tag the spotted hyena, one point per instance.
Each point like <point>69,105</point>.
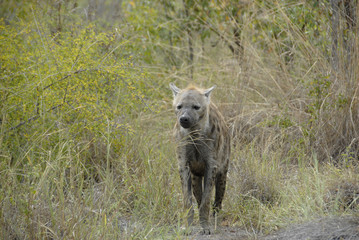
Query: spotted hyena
<point>203,149</point>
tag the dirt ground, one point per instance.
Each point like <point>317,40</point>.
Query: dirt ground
<point>222,233</point>
<point>330,228</point>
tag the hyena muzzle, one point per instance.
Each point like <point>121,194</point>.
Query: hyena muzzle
<point>203,149</point>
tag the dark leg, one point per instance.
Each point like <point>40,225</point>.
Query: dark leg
<point>220,189</point>
<point>197,188</point>
<point>187,193</point>
<point>206,199</point>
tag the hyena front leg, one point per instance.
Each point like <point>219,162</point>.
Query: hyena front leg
<point>206,199</point>
<point>187,192</point>
<point>197,188</point>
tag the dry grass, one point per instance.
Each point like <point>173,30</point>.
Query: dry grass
<point>294,157</point>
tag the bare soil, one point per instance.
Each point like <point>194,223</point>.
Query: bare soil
<point>329,228</point>
<point>223,233</point>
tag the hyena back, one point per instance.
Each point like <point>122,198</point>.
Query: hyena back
<point>203,149</point>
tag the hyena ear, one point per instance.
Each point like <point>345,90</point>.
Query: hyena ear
<point>208,91</point>
<point>175,90</point>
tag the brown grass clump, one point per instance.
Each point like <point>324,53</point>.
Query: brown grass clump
<point>269,132</point>
<point>256,179</point>
<point>343,194</point>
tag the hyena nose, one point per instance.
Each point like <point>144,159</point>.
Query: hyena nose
<point>184,120</point>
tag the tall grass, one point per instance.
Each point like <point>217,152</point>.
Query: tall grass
<point>294,123</point>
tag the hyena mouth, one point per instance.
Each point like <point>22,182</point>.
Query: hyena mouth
<point>185,125</point>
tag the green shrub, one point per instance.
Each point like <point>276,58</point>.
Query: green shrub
<point>77,81</point>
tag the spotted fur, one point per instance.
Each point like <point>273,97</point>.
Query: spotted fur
<point>203,150</point>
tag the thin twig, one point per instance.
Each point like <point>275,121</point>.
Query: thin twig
<point>141,99</point>
<point>33,118</point>
<point>61,79</point>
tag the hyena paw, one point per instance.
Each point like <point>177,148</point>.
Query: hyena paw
<point>206,231</point>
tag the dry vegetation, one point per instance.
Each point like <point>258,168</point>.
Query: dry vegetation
<point>86,120</point>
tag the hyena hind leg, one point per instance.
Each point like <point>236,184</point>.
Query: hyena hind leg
<point>221,179</point>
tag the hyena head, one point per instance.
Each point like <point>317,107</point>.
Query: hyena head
<point>191,105</point>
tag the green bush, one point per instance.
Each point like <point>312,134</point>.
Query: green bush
<point>78,81</point>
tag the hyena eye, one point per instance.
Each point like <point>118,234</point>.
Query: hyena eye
<point>179,107</point>
<point>195,107</point>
